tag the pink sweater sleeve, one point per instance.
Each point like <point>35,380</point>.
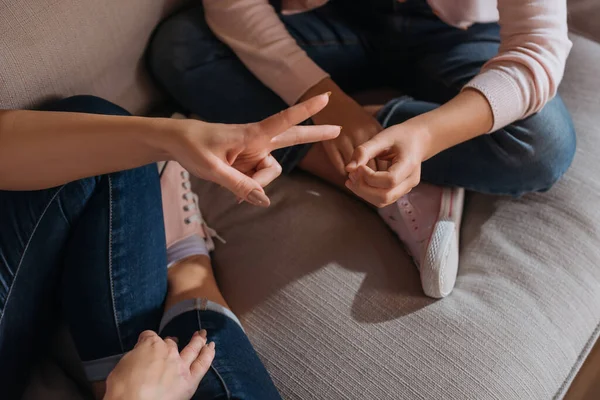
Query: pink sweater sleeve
<point>255,33</point>
<point>530,64</point>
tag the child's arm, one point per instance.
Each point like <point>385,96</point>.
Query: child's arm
<point>516,83</point>
<point>257,36</point>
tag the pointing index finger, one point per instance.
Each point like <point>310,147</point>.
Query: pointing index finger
<point>281,122</point>
<point>305,134</point>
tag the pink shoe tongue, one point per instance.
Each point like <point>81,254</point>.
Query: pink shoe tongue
<point>413,218</point>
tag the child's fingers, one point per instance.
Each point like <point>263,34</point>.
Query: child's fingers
<point>382,197</point>
<point>334,155</point>
<point>369,151</point>
<point>394,176</point>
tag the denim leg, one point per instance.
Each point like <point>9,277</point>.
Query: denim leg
<point>236,371</point>
<point>528,155</point>
<point>205,77</point>
<point>86,245</point>
<point>33,233</point>
<point>114,281</point>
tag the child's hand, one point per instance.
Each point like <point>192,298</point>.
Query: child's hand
<point>405,147</point>
<point>156,370</point>
<point>359,126</point>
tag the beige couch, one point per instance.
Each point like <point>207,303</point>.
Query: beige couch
<point>328,297</point>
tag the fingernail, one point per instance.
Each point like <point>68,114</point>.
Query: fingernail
<point>211,345</point>
<point>176,340</point>
<point>240,201</point>
<point>352,177</point>
<point>328,94</point>
<point>202,333</point>
<point>258,198</point>
<point>348,184</point>
<point>352,165</point>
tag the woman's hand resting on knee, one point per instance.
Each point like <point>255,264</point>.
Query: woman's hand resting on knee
<point>156,370</point>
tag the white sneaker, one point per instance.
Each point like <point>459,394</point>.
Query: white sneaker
<point>427,220</point>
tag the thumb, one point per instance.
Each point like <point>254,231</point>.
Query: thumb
<point>239,184</point>
<point>367,151</point>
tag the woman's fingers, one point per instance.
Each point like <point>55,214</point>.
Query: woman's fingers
<point>190,352</point>
<point>267,171</point>
<point>147,337</point>
<point>294,115</point>
<point>305,134</point>
<point>172,348</point>
<point>239,184</point>
<point>202,363</point>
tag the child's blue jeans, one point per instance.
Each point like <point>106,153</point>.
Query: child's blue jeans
<point>366,44</point>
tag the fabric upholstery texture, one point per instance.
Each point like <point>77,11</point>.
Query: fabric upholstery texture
<point>58,48</point>
<point>327,295</point>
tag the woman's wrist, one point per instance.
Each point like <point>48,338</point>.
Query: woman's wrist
<point>163,136</point>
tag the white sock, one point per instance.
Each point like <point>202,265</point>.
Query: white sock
<point>190,246</point>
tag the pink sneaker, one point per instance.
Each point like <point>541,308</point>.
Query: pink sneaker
<point>427,221</point>
<point>182,215</point>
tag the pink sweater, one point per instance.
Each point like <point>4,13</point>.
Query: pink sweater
<point>518,82</point>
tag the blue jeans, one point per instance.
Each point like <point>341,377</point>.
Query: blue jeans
<point>92,253</point>
<point>368,44</point>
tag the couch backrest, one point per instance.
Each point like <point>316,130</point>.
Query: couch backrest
<point>584,16</point>
<point>66,47</point>
<point>59,48</point>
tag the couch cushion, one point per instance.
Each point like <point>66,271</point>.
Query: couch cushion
<point>583,18</point>
<point>329,299</point>
<point>67,47</point>
<point>335,309</point>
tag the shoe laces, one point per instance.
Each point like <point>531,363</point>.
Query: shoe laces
<point>192,207</point>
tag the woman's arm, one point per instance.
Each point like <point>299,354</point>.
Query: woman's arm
<point>44,149</point>
<point>40,149</point>
<point>255,33</point>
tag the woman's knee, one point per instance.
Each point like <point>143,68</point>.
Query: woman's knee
<point>540,149</point>
<point>182,42</point>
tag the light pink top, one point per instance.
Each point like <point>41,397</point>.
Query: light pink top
<point>518,82</point>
